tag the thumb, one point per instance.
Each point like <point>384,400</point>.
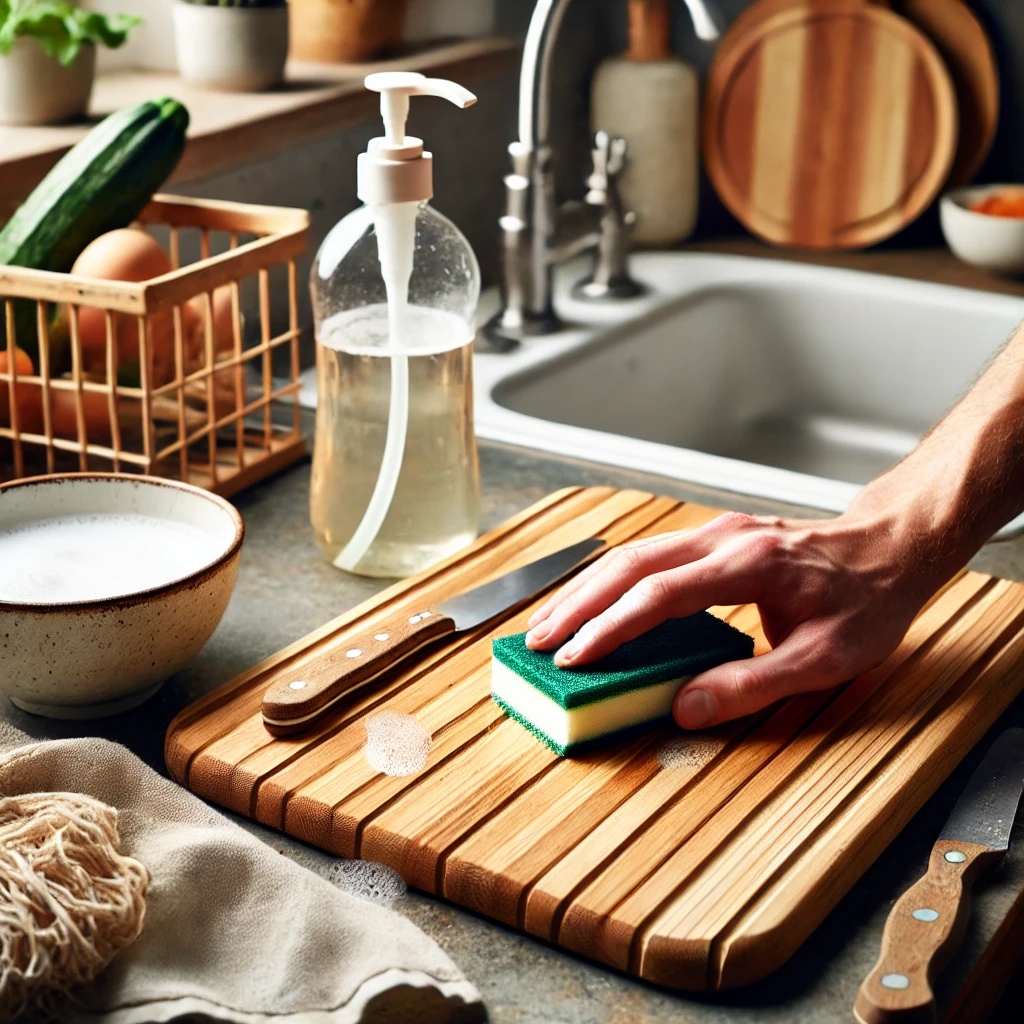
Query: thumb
<point>741,688</point>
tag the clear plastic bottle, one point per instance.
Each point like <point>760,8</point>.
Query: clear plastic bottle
<point>394,367</point>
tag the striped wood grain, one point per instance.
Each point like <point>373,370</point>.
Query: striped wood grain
<point>703,873</point>
<point>829,123</point>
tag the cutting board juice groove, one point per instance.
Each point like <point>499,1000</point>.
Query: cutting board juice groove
<point>705,875</point>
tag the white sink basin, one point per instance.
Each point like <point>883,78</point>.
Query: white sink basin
<point>764,377</point>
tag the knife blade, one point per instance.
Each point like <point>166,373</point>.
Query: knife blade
<point>927,924</point>
<point>300,697</point>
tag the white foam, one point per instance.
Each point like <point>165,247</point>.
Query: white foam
<point>367,880</point>
<point>396,744</point>
<point>367,331</point>
<point>688,752</point>
<point>94,557</point>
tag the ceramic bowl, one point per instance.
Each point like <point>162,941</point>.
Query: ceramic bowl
<point>992,243</point>
<point>89,658</point>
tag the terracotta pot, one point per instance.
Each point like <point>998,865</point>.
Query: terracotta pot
<point>339,31</point>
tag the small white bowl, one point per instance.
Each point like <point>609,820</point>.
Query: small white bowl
<point>992,243</point>
<point>85,658</point>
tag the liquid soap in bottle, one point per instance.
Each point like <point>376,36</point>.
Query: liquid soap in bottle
<point>396,480</point>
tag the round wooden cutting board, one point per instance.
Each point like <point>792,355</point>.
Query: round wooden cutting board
<point>955,30</point>
<point>832,124</point>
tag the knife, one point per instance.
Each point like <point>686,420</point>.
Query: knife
<point>299,698</point>
<point>927,924</point>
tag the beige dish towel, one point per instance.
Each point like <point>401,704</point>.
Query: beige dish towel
<point>234,931</point>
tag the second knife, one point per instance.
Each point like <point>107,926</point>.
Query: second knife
<point>298,699</point>
<point>927,924</point>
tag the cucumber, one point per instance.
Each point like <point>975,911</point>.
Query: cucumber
<point>102,183</point>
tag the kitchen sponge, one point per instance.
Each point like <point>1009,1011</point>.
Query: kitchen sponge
<point>571,709</point>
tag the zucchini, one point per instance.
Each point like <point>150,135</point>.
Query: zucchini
<point>100,184</point>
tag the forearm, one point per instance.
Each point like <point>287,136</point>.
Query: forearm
<point>964,481</point>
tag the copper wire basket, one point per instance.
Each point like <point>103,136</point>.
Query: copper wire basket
<point>213,396</point>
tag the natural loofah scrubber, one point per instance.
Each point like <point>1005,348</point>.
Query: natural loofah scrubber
<point>69,901</point>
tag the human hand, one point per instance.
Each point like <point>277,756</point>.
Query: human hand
<point>835,597</point>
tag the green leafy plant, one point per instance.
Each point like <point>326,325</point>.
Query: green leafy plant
<point>60,28</point>
<point>238,3</point>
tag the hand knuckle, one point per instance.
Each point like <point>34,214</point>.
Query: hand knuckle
<point>652,590</point>
<point>630,560</point>
<point>749,687</point>
<point>736,520</point>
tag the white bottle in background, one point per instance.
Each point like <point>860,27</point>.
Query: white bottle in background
<point>650,98</point>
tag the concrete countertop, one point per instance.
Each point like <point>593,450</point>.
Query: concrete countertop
<point>285,589</point>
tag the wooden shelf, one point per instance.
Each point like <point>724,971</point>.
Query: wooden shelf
<point>229,129</point>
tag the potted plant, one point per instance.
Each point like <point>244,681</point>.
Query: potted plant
<point>233,45</point>
<point>339,31</point>
<point>48,58</point>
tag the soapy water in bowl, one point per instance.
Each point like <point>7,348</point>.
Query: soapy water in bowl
<point>98,556</point>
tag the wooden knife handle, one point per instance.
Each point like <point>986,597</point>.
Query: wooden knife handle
<point>296,700</point>
<point>923,931</point>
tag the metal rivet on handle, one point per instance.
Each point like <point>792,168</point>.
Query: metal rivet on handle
<point>895,981</point>
<point>414,619</point>
<point>956,857</point>
<point>382,636</point>
<point>354,653</point>
<point>299,684</point>
<point>925,914</point>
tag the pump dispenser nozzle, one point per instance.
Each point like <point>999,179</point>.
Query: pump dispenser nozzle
<point>394,168</point>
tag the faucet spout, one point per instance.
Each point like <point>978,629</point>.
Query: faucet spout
<point>538,53</point>
<point>530,245</point>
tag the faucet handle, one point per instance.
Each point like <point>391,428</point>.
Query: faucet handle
<point>609,155</point>
<point>611,278</point>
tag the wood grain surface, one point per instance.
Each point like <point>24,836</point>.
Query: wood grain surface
<point>829,123</point>
<point>961,40</point>
<point>697,861</point>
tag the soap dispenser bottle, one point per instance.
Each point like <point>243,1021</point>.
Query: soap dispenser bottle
<point>395,286</point>
<point>648,96</point>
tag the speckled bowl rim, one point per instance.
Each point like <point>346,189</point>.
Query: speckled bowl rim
<point>138,596</point>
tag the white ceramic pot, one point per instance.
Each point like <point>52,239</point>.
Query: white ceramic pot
<point>235,49</point>
<point>37,89</point>
<point>992,243</point>
<point>88,658</point>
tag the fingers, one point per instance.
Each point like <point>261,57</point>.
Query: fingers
<point>674,593</point>
<point>606,582</point>
<point>596,567</point>
<point>741,688</point>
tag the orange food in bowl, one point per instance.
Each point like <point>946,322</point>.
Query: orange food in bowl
<point>1001,204</point>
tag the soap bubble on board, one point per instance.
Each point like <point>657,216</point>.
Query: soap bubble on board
<point>396,744</point>
<point>688,752</point>
<point>367,880</point>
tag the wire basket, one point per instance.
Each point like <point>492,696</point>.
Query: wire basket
<point>210,393</point>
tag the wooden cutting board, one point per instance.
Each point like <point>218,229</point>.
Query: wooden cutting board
<point>697,861</point>
<point>961,40</point>
<point>828,124</point>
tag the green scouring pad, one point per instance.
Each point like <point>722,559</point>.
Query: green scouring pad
<point>575,708</point>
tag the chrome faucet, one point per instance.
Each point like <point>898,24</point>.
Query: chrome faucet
<point>536,236</point>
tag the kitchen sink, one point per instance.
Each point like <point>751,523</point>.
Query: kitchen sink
<point>764,377</point>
